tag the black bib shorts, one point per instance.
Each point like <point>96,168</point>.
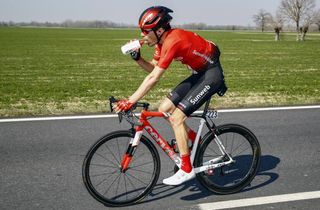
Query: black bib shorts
<point>194,91</point>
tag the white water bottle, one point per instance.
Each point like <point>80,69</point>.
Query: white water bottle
<point>131,46</point>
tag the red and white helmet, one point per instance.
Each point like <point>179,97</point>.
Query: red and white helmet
<point>154,18</point>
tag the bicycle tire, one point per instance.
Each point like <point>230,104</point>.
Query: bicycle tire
<point>223,180</point>
<point>106,155</point>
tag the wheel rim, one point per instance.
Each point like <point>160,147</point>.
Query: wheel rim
<point>237,173</point>
<point>106,181</point>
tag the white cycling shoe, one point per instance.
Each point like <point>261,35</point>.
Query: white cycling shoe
<point>180,177</point>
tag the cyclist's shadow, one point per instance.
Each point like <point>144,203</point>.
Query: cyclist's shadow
<point>267,163</point>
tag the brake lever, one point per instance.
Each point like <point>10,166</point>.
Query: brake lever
<point>120,117</point>
<point>111,101</point>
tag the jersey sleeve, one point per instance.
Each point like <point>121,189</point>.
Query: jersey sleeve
<point>168,53</point>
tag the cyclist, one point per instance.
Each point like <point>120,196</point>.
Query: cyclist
<point>200,55</point>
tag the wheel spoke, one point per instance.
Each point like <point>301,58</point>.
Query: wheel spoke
<point>112,154</point>
<point>134,187</point>
<point>245,149</point>
<point>118,184</point>
<point>125,186</point>
<point>239,146</point>
<point>95,175</point>
<point>147,172</point>
<point>143,164</point>
<point>103,180</point>
<point>136,178</point>
<point>136,158</point>
<point>232,146</point>
<point>109,187</point>
<point>226,143</point>
<point>102,165</point>
<point>107,159</point>
<point>118,149</point>
<point>213,150</point>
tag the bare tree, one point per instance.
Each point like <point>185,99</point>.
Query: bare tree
<point>317,19</point>
<point>261,19</point>
<point>309,19</point>
<point>297,11</point>
<point>277,24</point>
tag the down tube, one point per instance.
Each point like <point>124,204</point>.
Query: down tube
<point>163,144</point>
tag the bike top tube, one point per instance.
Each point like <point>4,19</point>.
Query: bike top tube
<point>129,115</point>
<point>145,113</point>
<point>145,106</point>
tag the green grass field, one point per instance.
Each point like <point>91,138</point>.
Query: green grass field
<point>68,71</point>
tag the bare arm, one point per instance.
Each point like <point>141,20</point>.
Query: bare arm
<point>149,82</point>
<point>146,65</point>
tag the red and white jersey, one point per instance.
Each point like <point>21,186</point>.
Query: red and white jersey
<point>187,47</point>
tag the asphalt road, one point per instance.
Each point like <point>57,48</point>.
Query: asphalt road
<point>40,163</point>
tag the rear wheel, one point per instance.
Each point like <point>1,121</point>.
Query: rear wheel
<point>242,145</point>
<point>107,183</point>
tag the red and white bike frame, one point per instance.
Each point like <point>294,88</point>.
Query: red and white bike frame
<point>145,125</point>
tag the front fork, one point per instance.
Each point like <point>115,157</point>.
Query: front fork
<point>127,157</point>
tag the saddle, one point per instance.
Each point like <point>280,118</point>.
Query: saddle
<point>222,89</point>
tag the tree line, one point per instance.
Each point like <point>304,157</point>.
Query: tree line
<point>110,24</point>
<point>302,13</point>
<point>68,24</point>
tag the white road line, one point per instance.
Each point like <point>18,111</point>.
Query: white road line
<point>58,118</point>
<point>114,115</point>
<point>259,200</point>
<point>270,109</point>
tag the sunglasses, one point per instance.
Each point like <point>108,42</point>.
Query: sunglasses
<point>145,32</point>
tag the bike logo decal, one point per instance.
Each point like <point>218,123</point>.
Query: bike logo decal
<point>162,144</point>
<point>153,134</point>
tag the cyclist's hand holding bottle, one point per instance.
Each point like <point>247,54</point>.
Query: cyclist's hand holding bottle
<point>136,55</point>
<point>133,48</point>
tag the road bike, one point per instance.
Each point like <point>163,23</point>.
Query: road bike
<point>123,167</point>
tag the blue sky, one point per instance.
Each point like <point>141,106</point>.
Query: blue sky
<point>211,12</point>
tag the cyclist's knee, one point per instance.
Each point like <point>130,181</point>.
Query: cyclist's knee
<point>177,118</point>
<point>166,106</point>
<point>162,108</point>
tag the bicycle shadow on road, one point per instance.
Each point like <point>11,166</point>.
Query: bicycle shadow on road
<point>267,164</point>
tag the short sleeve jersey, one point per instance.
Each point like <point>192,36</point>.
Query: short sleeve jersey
<point>184,46</point>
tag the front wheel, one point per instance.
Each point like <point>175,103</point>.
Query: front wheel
<point>243,147</point>
<point>102,174</point>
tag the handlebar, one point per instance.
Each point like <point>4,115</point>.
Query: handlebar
<point>128,115</point>
<point>143,105</point>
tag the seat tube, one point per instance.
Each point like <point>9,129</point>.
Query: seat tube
<point>196,142</point>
